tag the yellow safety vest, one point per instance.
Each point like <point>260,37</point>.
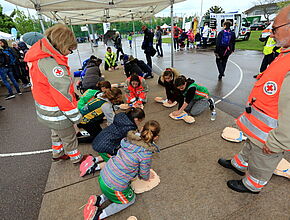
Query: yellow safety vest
<point>268,48</point>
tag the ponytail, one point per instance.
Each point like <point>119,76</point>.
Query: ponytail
<point>114,95</point>
<point>150,130</point>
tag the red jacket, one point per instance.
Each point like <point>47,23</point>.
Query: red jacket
<point>263,101</point>
<point>52,86</point>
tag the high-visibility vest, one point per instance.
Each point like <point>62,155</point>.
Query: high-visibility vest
<point>92,111</point>
<point>268,48</point>
<point>201,92</point>
<point>263,100</point>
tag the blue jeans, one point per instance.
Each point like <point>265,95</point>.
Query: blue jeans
<point>7,71</point>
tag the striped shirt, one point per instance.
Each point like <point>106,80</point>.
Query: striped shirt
<point>130,161</point>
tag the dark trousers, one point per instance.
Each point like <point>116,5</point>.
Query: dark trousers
<point>93,128</point>
<point>221,63</point>
<point>159,46</point>
<point>176,44</point>
<point>267,60</point>
<point>149,60</point>
<point>107,66</point>
<point>204,42</point>
<point>118,51</point>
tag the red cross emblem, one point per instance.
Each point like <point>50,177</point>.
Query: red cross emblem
<point>270,88</point>
<point>58,71</point>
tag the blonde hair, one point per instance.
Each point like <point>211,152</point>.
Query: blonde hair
<point>150,130</point>
<point>172,72</point>
<point>114,95</point>
<point>61,37</point>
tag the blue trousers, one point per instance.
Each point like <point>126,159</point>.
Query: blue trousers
<point>7,71</point>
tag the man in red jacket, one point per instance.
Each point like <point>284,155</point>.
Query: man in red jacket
<point>266,121</point>
<point>176,33</point>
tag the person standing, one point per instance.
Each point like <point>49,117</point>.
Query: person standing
<point>225,45</point>
<point>118,45</point>
<point>14,62</point>
<point>266,121</point>
<point>130,40</point>
<point>53,90</point>
<point>176,33</point>
<point>5,70</point>
<point>158,36</point>
<point>271,52</point>
<point>147,45</point>
<point>205,33</point>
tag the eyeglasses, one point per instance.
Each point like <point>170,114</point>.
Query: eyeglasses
<point>274,29</point>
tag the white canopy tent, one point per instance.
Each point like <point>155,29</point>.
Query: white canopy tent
<point>165,26</point>
<point>6,36</point>
<point>98,11</point>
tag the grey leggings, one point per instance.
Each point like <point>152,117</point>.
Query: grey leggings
<point>195,107</point>
<point>115,208</point>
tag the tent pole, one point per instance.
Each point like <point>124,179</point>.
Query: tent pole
<point>90,38</point>
<point>172,23</point>
<point>78,52</point>
<point>40,18</point>
<point>93,32</point>
<point>135,46</point>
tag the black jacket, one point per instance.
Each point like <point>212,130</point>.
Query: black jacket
<point>108,140</point>
<point>223,50</point>
<point>147,44</point>
<point>132,67</point>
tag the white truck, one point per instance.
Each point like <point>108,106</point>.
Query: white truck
<point>240,25</point>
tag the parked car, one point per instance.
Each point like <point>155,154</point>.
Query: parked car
<point>258,26</point>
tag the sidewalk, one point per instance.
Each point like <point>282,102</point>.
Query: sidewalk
<point>193,185</point>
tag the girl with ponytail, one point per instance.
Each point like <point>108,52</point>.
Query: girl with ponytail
<point>134,158</point>
<point>94,112</point>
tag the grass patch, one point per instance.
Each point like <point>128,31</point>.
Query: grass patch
<point>252,44</point>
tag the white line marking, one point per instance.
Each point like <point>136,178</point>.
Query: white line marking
<point>238,84</point>
<point>25,153</point>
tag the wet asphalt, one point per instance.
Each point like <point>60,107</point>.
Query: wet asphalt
<point>23,178</point>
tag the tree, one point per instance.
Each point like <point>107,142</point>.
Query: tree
<point>268,7</point>
<point>282,4</point>
<point>6,22</point>
<point>214,9</point>
<point>23,24</point>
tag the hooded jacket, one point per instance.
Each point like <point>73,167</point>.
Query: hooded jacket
<point>108,140</point>
<point>133,159</point>
<point>92,77</point>
<point>52,86</point>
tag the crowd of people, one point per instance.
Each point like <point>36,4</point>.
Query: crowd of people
<point>126,148</point>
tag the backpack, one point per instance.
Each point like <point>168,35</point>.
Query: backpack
<point>11,54</point>
<point>226,38</point>
<point>4,59</point>
<point>176,31</point>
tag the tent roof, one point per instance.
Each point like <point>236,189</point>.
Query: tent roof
<point>6,36</point>
<point>95,11</point>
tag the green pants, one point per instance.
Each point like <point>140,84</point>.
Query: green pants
<point>105,156</point>
<point>120,197</point>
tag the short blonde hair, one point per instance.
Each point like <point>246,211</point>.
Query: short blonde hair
<point>61,37</point>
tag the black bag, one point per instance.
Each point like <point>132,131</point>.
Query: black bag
<point>152,52</point>
<point>4,59</point>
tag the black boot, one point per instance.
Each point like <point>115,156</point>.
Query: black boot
<point>238,186</point>
<point>227,164</point>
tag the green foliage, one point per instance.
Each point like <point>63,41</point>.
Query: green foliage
<point>282,4</point>
<point>252,44</point>
<point>6,22</point>
<point>214,9</point>
<point>23,24</point>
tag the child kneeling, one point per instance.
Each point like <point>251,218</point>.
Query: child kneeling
<point>195,97</point>
<point>133,159</point>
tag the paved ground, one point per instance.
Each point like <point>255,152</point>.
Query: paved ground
<point>192,184</point>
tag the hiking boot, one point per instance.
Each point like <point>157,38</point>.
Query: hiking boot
<point>211,104</point>
<point>63,157</point>
<point>95,200</point>
<point>92,212</point>
<point>255,76</point>
<point>2,108</point>
<point>19,93</point>
<point>220,77</point>
<point>227,164</point>
<point>9,96</point>
<point>238,186</point>
<point>89,165</point>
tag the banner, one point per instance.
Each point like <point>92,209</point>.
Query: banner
<point>106,27</point>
